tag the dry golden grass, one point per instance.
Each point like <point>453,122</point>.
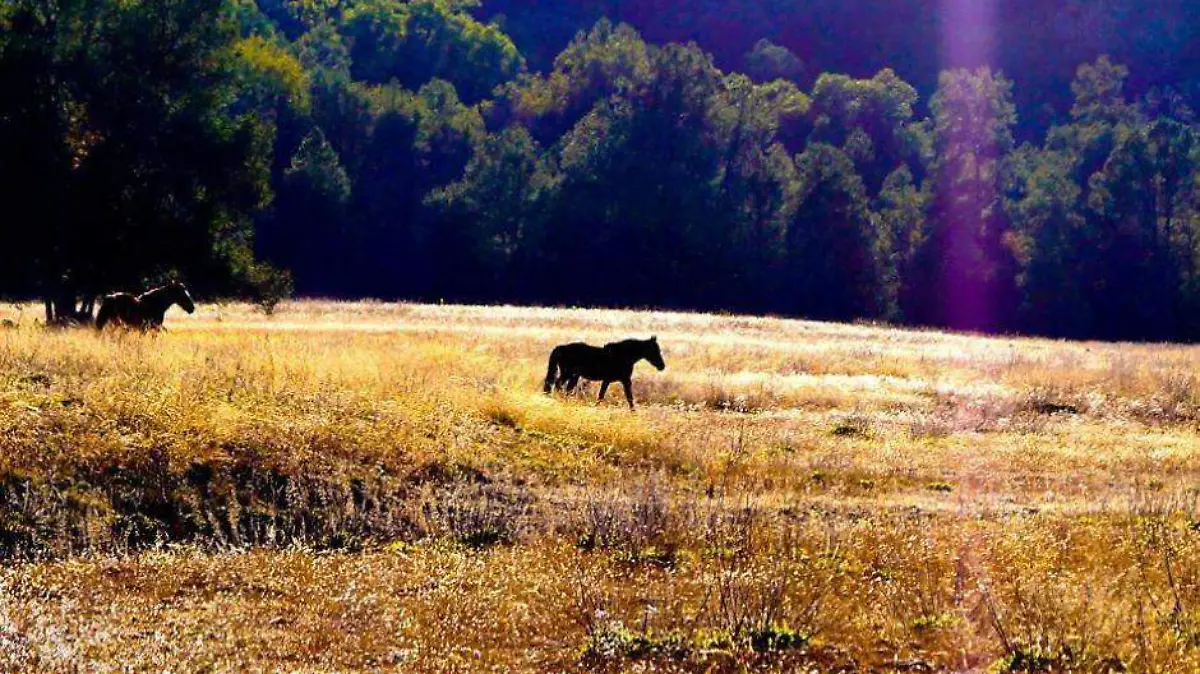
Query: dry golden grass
<point>349,487</point>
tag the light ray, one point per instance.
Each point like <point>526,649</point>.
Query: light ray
<point>968,32</point>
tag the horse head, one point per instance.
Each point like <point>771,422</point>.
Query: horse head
<point>182,297</point>
<point>654,354</point>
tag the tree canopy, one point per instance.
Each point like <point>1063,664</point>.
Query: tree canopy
<point>103,100</point>
<point>410,150</point>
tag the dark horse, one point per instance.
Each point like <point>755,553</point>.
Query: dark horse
<point>145,311</point>
<point>612,363</point>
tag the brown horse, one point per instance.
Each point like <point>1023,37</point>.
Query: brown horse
<point>145,311</point>
<point>612,363</point>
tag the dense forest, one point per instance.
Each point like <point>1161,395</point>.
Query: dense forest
<point>1032,166</point>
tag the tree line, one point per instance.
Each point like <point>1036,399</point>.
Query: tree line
<point>1038,42</point>
<point>408,150</point>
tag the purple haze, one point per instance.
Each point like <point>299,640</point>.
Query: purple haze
<point>968,33</point>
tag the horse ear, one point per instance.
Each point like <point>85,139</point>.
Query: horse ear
<point>654,339</point>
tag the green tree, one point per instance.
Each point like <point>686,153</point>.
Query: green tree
<point>270,77</point>
<point>1099,90</point>
<point>308,229</point>
<point>415,42</point>
<point>1105,222</point>
<point>1050,244</point>
<point>871,121</point>
<point>768,61</point>
<point>294,18</point>
<point>651,148</point>
<point>758,186</point>
<point>900,219</point>
<point>125,149</point>
<point>833,247</point>
<point>414,143</point>
<point>490,216</point>
<point>607,61</point>
<point>1137,283</point>
<point>964,274</point>
<point>678,182</point>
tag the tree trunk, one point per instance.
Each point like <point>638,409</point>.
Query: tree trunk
<point>63,307</point>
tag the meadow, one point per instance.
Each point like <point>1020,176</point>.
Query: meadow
<point>363,487</point>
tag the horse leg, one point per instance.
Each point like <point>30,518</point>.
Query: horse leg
<point>603,390</point>
<point>551,374</point>
<point>568,380</point>
<point>628,386</point>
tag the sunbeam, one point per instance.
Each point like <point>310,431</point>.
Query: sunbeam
<point>968,30</point>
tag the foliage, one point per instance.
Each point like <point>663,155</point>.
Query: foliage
<point>127,149</point>
<point>415,42</point>
<point>832,245</point>
<point>769,61</point>
<point>268,72</point>
<point>872,121</point>
<point>962,275</point>
<point>402,150</point>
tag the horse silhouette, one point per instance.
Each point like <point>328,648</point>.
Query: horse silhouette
<point>612,363</point>
<point>145,311</point>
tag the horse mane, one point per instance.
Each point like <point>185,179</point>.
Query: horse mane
<point>155,302</point>
<point>629,349</point>
<point>155,292</point>
<point>626,346</point>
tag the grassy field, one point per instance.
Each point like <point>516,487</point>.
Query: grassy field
<point>375,487</point>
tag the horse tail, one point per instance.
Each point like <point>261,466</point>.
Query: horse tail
<point>552,371</point>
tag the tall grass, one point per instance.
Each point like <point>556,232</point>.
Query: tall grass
<point>376,487</point>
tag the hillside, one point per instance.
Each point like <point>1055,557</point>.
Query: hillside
<point>382,487</point>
